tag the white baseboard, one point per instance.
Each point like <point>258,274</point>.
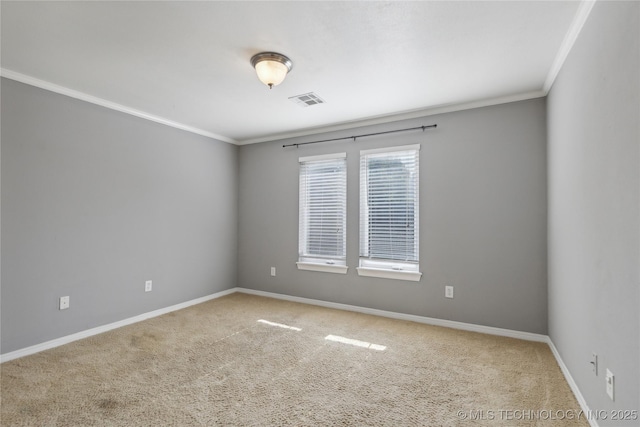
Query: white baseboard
<point>401,316</point>
<point>104,328</point>
<point>572,384</point>
<point>390,314</point>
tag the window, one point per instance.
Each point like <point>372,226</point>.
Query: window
<point>389,218</point>
<point>323,213</point>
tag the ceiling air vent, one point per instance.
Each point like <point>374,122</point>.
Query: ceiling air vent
<point>307,99</point>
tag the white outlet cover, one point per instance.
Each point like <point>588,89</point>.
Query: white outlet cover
<point>148,286</point>
<point>610,379</point>
<point>448,291</point>
<point>273,271</point>
<point>64,303</point>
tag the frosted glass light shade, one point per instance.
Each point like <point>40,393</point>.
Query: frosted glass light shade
<point>271,67</point>
<point>271,73</point>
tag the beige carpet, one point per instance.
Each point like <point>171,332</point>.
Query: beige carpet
<point>244,360</point>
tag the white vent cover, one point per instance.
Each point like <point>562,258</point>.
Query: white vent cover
<point>307,99</point>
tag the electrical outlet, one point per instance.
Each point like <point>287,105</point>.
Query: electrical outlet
<point>448,291</point>
<point>64,303</point>
<point>273,271</point>
<point>148,286</point>
<point>594,363</point>
<point>610,384</point>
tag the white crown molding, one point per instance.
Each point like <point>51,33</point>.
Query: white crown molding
<point>32,81</point>
<point>584,9</point>
<point>104,328</point>
<point>569,40</point>
<point>383,119</point>
<point>413,114</point>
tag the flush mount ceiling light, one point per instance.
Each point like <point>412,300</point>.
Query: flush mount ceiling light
<point>271,67</point>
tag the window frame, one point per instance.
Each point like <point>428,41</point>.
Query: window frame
<point>317,262</point>
<point>378,267</point>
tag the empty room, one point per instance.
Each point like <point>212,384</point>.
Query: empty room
<point>371,213</point>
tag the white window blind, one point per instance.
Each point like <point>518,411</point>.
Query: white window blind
<point>323,211</point>
<point>389,221</point>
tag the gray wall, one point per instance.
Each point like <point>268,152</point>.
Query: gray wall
<point>95,202</point>
<point>482,219</point>
<point>594,198</point>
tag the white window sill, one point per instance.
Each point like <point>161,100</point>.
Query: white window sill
<point>326,268</point>
<point>412,276</point>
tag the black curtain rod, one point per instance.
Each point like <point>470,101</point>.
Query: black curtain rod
<point>360,136</point>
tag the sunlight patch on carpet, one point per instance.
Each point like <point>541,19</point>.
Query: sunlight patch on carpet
<point>357,343</point>
<point>279,325</point>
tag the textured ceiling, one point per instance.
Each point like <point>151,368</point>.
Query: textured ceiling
<point>188,62</point>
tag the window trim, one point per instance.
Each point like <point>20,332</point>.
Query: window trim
<point>385,273</point>
<point>325,268</point>
<point>317,263</point>
<point>387,268</point>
